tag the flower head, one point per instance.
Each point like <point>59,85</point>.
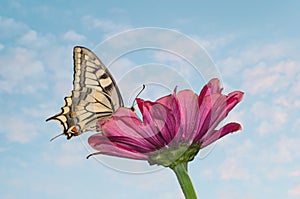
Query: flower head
<point>173,128</point>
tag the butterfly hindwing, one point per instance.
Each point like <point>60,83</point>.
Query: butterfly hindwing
<point>93,105</point>
<point>66,118</point>
<point>95,95</point>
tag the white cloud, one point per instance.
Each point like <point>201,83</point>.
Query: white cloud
<point>21,71</point>
<point>177,63</point>
<point>39,110</point>
<point>232,169</point>
<point>59,60</point>
<point>163,56</point>
<point>287,100</point>
<point>105,25</point>
<point>3,149</point>
<point>276,171</point>
<point>264,52</point>
<point>276,158</point>
<point>8,196</point>
<point>236,116</point>
<point>29,37</point>
<point>295,190</point>
<point>262,68</point>
<point>266,78</point>
<point>214,43</point>
<point>35,41</point>
<point>230,65</point>
<point>17,129</point>
<point>170,195</point>
<point>271,117</point>
<point>295,173</point>
<point>68,154</point>
<point>71,35</point>
<point>287,150</point>
<point>9,27</point>
<point>1,46</point>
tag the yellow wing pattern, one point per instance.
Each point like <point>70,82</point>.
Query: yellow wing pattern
<point>95,95</point>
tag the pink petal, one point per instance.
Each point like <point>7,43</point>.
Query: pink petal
<point>212,87</point>
<point>125,123</point>
<point>217,134</point>
<point>223,105</point>
<point>148,135</point>
<point>189,110</point>
<point>120,124</point>
<point>219,106</point>
<point>106,147</point>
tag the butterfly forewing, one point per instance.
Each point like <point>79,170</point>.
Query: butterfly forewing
<point>95,95</point>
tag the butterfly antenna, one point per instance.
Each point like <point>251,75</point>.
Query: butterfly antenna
<point>132,107</point>
<point>56,137</point>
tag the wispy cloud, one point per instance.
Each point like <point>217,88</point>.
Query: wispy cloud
<point>17,129</point>
<point>267,77</point>
<point>68,154</point>
<point>214,42</point>
<point>33,40</point>
<point>232,169</point>
<point>11,28</point>
<point>21,71</point>
<point>105,25</point>
<point>269,123</point>
<point>287,150</point>
<point>295,173</point>
<point>71,35</point>
<point>295,190</point>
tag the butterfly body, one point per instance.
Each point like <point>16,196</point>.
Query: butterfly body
<point>95,95</point>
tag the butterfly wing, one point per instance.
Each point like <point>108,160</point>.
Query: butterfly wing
<point>66,118</point>
<point>95,95</point>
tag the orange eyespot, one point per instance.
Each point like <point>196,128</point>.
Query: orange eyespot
<point>72,114</point>
<point>75,130</point>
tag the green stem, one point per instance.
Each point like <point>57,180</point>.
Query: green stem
<point>185,181</point>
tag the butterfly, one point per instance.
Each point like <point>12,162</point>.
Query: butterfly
<point>95,95</point>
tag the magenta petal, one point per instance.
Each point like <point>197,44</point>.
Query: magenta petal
<point>233,99</point>
<point>205,117</point>
<point>171,102</point>
<point>160,119</point>
<point>106,147</point>
<point>217,134</point>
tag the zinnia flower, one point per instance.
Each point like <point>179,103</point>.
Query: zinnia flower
<point>173,128</point>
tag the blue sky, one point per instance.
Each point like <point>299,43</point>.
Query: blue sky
<point>254,44</point>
